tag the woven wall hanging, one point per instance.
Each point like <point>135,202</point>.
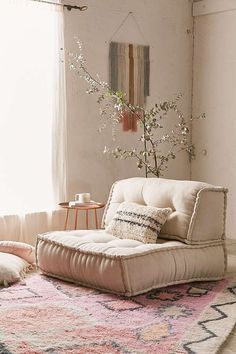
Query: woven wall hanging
<point>129,72</point>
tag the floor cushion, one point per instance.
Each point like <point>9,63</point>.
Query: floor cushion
<point>20,249</point>
<point>190,246</point>
<point>123,266</point>
<point>12,268</point>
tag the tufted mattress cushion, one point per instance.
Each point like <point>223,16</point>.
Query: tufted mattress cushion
<point>198,208</point>
<point>127,267</point>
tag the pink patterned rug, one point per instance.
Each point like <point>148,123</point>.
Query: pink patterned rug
<point>46,315</point>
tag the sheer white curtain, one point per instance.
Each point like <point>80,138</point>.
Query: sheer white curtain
<point>32,116</point>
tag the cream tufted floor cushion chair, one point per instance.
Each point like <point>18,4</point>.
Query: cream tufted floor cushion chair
<point>137,250</point>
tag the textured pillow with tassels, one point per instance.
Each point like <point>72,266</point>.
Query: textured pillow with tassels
<point>138,222</point>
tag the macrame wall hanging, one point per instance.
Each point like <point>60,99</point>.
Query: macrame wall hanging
<point>129,72</point>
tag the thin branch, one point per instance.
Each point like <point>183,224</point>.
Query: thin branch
<point>113,104</point>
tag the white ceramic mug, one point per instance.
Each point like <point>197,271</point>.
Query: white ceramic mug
<point>83,197</point>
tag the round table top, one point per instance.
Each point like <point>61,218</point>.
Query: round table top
<point>82,206</point>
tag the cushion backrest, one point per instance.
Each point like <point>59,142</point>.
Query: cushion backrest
<point>198,208</point>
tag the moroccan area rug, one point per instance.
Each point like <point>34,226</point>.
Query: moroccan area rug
<point>46,315</point>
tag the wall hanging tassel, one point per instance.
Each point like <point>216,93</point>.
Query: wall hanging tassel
<point>130,72</point>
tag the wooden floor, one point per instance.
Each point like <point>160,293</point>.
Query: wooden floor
<point>229,347</point>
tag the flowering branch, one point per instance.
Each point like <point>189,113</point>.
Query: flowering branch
<point>113,104</point>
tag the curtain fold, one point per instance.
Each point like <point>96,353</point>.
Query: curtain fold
<point>59,128</point>
<point>32,119</point>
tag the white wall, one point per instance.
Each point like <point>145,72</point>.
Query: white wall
<point>214,93</point>
<point>164,25</point>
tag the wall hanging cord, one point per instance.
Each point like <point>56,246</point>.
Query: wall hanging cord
<point>68,7</point>
<point>130,14</point>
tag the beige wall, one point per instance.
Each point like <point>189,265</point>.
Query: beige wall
<point>164,25</point>
<point>214,92</point>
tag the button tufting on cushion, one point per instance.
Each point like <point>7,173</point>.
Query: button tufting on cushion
<point>125,267</point>
<point>190,247</point>
<point>183,197</point>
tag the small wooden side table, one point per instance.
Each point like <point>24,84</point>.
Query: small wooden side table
<point>90,206</point>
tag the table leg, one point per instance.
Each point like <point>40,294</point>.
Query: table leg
<point>66,221</point>
<point>87,225</point>
<point>96,218</point>
<point>76,218</point>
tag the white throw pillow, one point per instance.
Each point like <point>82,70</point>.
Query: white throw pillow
<point>21,249</point>
<point>12,268</point>
<point>138,222</point>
